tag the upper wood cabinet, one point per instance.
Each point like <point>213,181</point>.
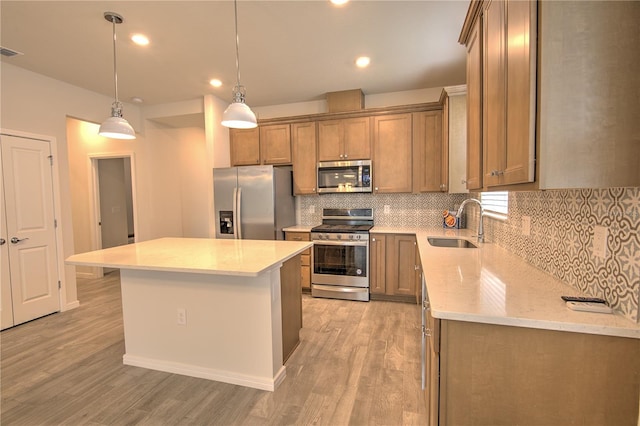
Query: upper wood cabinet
<point>344,139</point>
<point>474,108</point>
<point>430,154</point>
<point>392,153</point>
<point>304,144</point>
<point>245,146</point>
<point>269,144</point>
<point>549,118</point>
<point>509,92</point>
<point>275,144</point>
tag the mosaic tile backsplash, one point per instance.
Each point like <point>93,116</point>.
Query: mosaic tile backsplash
<point>561,240</point>
<point>411,210</point>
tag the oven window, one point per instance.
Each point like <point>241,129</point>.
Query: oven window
<point>340,260</point>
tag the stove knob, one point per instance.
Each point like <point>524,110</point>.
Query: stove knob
<point>351,237</point>
<point>339,236</point>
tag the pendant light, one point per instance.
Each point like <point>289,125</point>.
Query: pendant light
<point>115,126</point>
<point>238,115</point>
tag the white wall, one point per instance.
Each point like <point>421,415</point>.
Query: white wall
<point>33,103</point>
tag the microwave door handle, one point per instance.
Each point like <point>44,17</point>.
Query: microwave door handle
<point>360,176</point>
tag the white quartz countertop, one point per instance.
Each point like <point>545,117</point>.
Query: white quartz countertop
<point>298,228</point>
<point>195,255</point>
<point>490,285</point>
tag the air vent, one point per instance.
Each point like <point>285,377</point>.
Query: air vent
<point>8,52</point>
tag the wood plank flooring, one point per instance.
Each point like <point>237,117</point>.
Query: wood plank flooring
<point>357,364</point>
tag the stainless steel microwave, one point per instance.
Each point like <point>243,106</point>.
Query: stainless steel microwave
<point>344,176</point>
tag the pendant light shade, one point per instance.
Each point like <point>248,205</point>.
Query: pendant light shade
<point>238,115</point>
<point>115,126</point>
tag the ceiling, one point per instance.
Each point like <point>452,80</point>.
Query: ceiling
<point>290,51</point>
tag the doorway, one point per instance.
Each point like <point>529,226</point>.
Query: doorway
<point>114,201</point>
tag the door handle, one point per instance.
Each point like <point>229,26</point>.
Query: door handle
<point>16,240</point>
<point>2,241</point>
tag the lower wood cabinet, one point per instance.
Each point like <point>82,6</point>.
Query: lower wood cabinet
<point>291,302</point>
<point>305,258</point>
<point>393,263</point>
<point>485,374</point>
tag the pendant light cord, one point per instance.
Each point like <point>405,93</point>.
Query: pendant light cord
<point>235,5</point>
<point>115,68</point>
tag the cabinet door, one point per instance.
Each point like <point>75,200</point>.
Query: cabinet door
<point>305,257</point>
<point>245,146</point>
<point>429,171</point>
<point>392,156</point>
<point>357,138</point>
<point>474,108</point>
<point>303,141</point>
<point>401,264</point>
<point>493,106</point>
<point>275,144</point>
<point>330,140</point>
<point>377,262</point>
<point>519,153</point>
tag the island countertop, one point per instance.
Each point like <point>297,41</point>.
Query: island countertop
<point>247,258</point>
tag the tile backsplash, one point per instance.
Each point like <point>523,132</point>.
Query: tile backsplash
<point>561,240</point>
<point>561,237</point>
<point>410,210</point>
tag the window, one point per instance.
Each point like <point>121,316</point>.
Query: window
<point>495,202</point>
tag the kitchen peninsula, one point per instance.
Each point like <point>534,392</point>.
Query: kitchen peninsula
<point>225,310</point>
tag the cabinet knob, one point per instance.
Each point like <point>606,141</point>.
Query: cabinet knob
<point>2,241</point>
<point>345,156</point>
<point>373,239</point>
<point>376,188</point>
<point>314,190</point>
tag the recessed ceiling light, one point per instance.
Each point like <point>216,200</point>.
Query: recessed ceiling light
<point>215,82</point>
<point>137,99</point>
<point>339,2</point>
<point>363,61</point>
<point>140,39</point>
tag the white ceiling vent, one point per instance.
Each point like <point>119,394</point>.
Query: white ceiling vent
<point>8,52</point>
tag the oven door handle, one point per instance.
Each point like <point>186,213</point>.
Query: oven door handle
<point>340,243</point>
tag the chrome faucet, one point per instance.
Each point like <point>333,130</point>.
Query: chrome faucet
<point>480,227</point>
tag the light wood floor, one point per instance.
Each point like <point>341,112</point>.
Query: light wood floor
<point>357,363</point>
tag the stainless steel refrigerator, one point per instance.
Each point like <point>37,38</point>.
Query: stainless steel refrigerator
<point>253,202</point>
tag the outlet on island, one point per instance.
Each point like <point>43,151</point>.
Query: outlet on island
<point>182,316</point>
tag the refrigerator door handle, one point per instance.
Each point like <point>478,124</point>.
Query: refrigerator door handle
<point>239,212</point>
<point>235,213</point>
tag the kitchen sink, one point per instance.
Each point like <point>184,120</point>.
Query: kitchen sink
<point>450,242</point>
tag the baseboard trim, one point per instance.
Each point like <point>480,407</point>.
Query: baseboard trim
<point>262,383</point>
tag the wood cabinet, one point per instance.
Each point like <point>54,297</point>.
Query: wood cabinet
<point>392,153</point>
<point>377,263</point>
<point>487,374</point>
<point>245,146</point>
<point>474,108</point>
<point>454,142</point>
<point>551,120</point>
<point>305,258</point>
<point>344,139</point>
<point>269,144</point>
<point>275,144</point>
<point>509,92</point>
<point>304,145</point>
<point>430,153</point>
<point>501,80</point>
<point>432,369</point>
<point>393,264</point>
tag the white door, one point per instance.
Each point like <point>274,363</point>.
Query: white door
<point>6,305</point>
<point>29,211</point>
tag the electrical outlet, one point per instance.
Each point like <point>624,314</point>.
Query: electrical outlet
<point>526,225</point>
<point>182,316</point>
<point>600,241</point>
<point>312,209</point>
<point>387,209</point>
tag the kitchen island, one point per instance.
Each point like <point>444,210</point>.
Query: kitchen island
<point>209,308</point>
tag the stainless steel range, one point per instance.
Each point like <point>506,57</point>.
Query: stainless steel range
<point>341,254</point>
